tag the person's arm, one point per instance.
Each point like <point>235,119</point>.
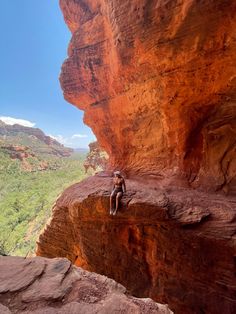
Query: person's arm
<point>124,185</point>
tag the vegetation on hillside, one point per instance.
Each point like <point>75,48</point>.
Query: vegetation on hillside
<point>26,199</point>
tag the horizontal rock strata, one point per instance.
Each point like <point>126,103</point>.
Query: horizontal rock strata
<point>156,80</point>
<point>175,246</point>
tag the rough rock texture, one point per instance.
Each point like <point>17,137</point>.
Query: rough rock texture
<point>157,82</point>
<point>177,247</point>
<point>18,152</point>
<point>42,286</point>
<point>96,158</point>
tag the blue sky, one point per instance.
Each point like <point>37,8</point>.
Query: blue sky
<point>34,40</point>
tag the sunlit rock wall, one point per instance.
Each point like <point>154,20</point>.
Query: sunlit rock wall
<point>157,82</point>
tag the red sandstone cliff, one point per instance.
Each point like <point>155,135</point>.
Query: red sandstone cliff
<point>96,158</point>
<point>157,82</point>
<point>175,246</point>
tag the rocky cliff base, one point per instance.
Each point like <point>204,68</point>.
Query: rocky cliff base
<point>43,286</point>
<point>171,244</point>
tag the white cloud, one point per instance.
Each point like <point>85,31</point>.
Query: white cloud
<point>79,136</point>
<point>60,139</point>
<point>12,121</point>
<point>75,140</point>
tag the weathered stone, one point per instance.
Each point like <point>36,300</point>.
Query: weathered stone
<point>162,244</point>
<point>43,286</point>
<point>156,80</point>
<point>96,158</point>
<point>19,277</point>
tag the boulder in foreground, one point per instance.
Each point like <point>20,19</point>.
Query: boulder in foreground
<point>54,286</point>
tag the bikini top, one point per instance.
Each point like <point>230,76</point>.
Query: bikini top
<point>118,183</point>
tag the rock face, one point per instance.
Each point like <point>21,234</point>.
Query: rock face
<point>96,158</point>
<point>43,286</point>
<point>157,82</point>
<point>177,247</point>
<point>18,152</point>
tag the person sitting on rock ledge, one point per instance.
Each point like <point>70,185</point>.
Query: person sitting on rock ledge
<point>117,192</point>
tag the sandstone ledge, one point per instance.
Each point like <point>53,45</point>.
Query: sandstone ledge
<point>42,286</point>
<point>173,245</point>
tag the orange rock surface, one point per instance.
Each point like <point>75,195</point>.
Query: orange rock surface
<point>176,246</point>
<point>157,82</point>
<point>96,158</point>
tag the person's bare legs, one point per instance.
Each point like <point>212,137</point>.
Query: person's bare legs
<point>118,197</point>
<point>111,202</point>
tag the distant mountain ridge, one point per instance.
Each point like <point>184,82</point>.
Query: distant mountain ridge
<point>33,139</point>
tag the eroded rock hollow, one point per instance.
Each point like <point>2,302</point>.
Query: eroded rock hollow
<point>157,83</point>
